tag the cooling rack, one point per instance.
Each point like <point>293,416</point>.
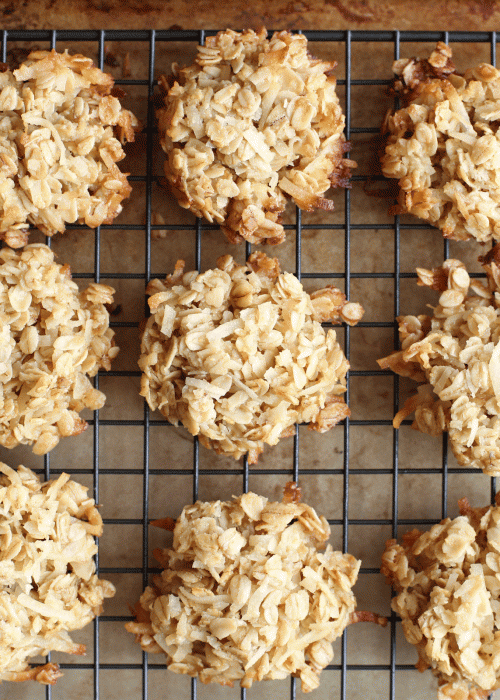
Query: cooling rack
<point>343,468</point>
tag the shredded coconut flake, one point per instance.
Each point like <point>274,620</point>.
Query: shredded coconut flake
<point>494,370</point>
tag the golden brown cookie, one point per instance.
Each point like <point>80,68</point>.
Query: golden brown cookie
<point>443,145</point>
<point>447,585</point>
<point>48,585</point>
<point>238,354</point>
<point>61,131</point>
<point>52,339</point>
<point>250,124</point>
<point>455,354</point>
<point>246,593</point>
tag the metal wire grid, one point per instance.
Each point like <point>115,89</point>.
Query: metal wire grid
<point>150,38</point>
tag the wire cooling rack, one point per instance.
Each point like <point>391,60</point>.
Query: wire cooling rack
<point>96,467</point>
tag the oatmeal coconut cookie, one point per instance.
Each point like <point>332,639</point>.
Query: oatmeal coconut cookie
<point>444,145</point>
<point>238,354</point>
<point>447,581</point>
<point>48,585</point>
<point>246,595</point>
<point>52,339</point>
<point>60,134</point>
<point>252,123</point>
<point>456,354</point>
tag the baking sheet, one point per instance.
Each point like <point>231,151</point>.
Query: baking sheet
<point>125,430</point>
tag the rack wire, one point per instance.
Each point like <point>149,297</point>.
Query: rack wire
<point>150,39</point>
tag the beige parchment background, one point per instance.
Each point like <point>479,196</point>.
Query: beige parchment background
<point>121,447</point>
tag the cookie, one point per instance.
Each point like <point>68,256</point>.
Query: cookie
<point>245,593</point>
<point>48,585</point>
<point>447,586</point>
<point>61,131</point>
<point>252,123</point>
<point>443,145</point>
<point>455,355</point>
<point>238,354</point>
<point>52,339</point>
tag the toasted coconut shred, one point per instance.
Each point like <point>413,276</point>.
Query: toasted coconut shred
<point>48,585</point>
<point>60,134</point>
<point>52,339</point>
<point>455,353</point>
<point>252,123</point>
<point>238,354</point>
<point>447,581</point>
<point>245,594</point>
<point>444,145</point>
